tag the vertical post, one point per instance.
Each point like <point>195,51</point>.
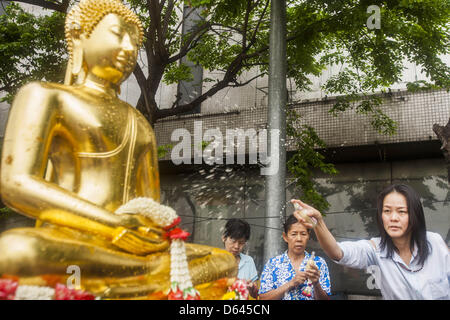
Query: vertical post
<point>275,184</point>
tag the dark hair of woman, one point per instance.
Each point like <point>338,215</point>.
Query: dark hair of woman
<point>416,225</point>
<point>237,229</point>
<point>290,220</point>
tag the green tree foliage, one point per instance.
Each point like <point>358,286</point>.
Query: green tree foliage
<point>231,37</point>
<point>31,48</point>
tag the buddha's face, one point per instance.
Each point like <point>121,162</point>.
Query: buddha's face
<point>110,52</point>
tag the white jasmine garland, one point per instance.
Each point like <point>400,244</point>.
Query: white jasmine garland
<point>25,292</point>
<point>160,214</point>
<point>179,271</point>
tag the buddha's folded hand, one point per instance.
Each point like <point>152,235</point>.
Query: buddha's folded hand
<point>136,222</point>
<point>145,226</point>
<point>139,242</point>
<point>138,234</point>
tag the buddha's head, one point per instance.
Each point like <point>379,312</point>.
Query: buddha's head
<point>103,38</point>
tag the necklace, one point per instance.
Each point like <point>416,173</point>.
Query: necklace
<point>407,269</point>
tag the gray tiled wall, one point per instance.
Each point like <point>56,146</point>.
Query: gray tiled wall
<point>414,113</point>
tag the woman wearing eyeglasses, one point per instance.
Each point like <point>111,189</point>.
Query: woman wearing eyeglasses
<point>235,236</point>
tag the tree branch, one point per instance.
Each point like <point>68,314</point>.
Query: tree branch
<point>228,77</point>
<point>163,113</point>
<point>167,15</point>
<point>142,82</point>
<point>60,6</point>
<point>178,27</point>
<point>155,25</point>
<point>261,18</point>
<point>244,31</point>
<point>241,84</point>
<point>226,27</point>
<point>187,45</point>
<point>151,32</point>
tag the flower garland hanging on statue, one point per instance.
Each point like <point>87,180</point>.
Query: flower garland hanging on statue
<point>181,287</point>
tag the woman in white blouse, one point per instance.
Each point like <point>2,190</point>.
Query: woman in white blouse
<point>411,262</point>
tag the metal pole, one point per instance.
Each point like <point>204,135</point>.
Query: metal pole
<point>275,184</point>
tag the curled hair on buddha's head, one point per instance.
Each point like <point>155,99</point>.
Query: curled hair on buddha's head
<point>84,17</point>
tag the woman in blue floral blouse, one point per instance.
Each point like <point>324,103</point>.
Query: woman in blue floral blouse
<point>284,277</point>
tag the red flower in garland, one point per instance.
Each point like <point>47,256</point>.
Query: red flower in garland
<point>175,295</point>
<point>173,224</point>
<point>240,286</point>
<point>8,289</point>
<point>177,233</point>
<point>179,295</point>
<point>64,293</point>
<point>191,297</point>
<point>307,291</point>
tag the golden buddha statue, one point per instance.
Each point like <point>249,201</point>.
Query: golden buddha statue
<point>73,154</point>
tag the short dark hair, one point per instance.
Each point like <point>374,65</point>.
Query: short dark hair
<point>290,220</point>
<point>416,218</point>
<point>237,229</point>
